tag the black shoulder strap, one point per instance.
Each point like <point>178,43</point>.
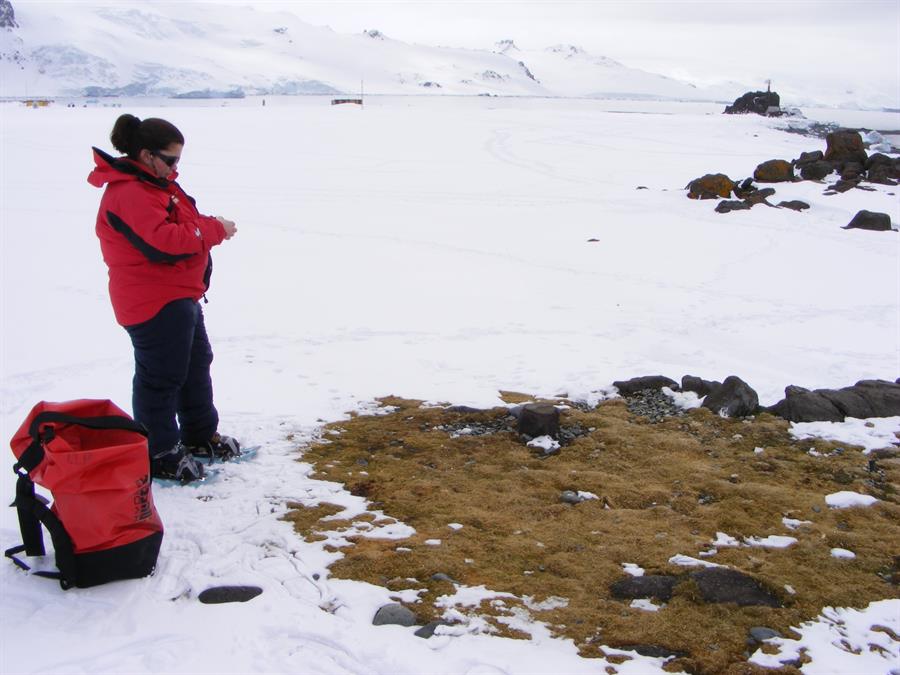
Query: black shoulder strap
<point>33,512</point>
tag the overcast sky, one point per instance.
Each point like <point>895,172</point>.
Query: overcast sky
<point>853,41</point>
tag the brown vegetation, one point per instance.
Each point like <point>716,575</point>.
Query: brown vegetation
<point>663,489</point>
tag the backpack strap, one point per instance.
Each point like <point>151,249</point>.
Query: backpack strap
<point>99,422</point>
<point>34,512</point>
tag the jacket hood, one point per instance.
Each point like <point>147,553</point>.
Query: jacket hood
<point>111,169</point>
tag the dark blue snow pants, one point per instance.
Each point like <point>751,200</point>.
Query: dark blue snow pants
<point>172,356</point>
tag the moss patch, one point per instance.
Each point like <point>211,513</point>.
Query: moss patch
<point>662,489</point>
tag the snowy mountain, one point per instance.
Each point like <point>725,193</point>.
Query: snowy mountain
<point>198,49</point>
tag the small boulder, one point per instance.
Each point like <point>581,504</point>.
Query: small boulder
<point>759,196</point>
<point>843,186</point>
<point>539,419</point>
<point>729,205</point>
<point>636,384</point>
<point>803,405</point>
<point>759,634</point>
<point>851,170</point>
<point>809,158</point>
<point>870,220</point>
<point>774,171</point>
<point>816,170</point>
<point>735,398</point>
<point>428,629</point>
<point>721,585</point>
<point>710,186</point>
<point>845,145</point>
<point>394,614</point>
<point>794,205</point>
<point>882,169</point>
<point>218,595</point>
<point>659,586</point>
<point>698,385</point>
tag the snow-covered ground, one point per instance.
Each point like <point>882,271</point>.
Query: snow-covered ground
<point>435,248</point>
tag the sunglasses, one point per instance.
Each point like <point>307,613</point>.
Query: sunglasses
<point>169,160</point>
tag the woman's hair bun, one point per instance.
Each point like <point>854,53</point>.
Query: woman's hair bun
<point>125,134</point>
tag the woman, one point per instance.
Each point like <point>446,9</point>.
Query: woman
<point>156,245</point>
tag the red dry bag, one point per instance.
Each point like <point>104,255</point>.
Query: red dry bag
<point>94,460</point>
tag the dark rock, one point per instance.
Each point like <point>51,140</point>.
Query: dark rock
<point>729,205</point>
<point>440,576</point>
<point>463,409</point>
<point>659,586</point>
<point>843,186</point>
<point>879,159</point>
<point>759,634</point>
<point>869,220</point>
<point>845,145</point>
<point>848,401</point>
<point>794,205</point>
<point>816,170</point>
<point>654,651</point>
<point>803,405</point>
<point>222,594</point>
<point>809,158</point>
<point>759,196</point>
<point>851,170</point>
<point>636,384</point>
<point>427,630</point>
<point>883,174</point>
<point>710,186</point>
<point>721,584</point>
<point>883,396</point>
<point>652,404</point>
<point>699,386</point>
<point>539,419</point>
<point>7,15</point>
<point>735,398</point>
<point>759,102</point>
<point>570,497</point>
<point>394,614</point>
<point>774,171</point>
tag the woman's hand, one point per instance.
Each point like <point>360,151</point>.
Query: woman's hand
<point>230,228</point>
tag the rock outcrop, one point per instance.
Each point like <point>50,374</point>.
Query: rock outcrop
<point>867,398</point>
<point>759,102</point>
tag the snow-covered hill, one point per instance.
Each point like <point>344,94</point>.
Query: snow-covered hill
<point>164,49</point>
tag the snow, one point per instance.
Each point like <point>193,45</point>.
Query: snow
<point>723,539</point>
<point>794,523</point>
<point>874,434</point>
<point>644,604</point>
<point>545,443</point>
<point>842,641</point>
<point>688,561</point>
<point>846,499</point>
<point>686,400</point>
<point>842,553</point>
<point>772,541</point>
<point>432,248</point>
<point>633,569</point>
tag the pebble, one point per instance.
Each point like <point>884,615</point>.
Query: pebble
<point>570,497</point>
<point>653,404</point>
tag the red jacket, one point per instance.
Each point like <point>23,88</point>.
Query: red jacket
<point>154,241</point>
